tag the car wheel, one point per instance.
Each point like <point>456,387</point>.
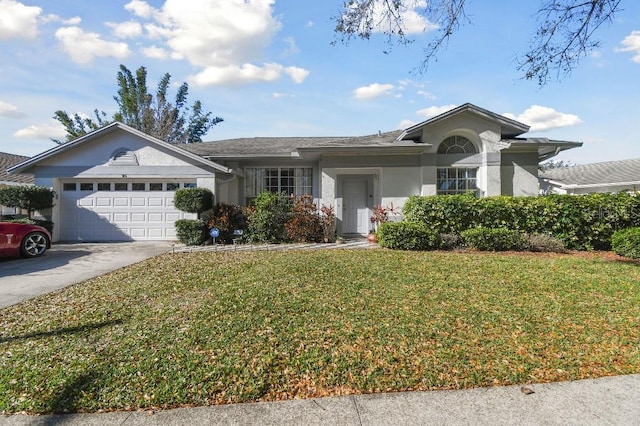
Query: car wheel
<point>34,244</point>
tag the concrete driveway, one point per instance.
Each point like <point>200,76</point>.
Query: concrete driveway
<point>67,264</point>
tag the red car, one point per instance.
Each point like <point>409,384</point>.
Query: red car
<point>22,239</point>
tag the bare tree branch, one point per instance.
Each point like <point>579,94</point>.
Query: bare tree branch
<point>564,37</point>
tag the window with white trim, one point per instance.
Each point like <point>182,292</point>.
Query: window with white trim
<point>457,180</point>
<point>295,181</point>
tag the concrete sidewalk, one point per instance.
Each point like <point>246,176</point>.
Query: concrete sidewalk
<point>605,401</point>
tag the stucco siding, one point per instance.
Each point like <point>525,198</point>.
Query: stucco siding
<point>520,174</point>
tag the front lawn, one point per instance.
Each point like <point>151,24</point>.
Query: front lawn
<point>211,328</point>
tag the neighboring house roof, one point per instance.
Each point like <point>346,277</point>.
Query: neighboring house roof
<point>510,128</point>
<point>9,160</point>
<point>27,165</point>
<point>610,173</point>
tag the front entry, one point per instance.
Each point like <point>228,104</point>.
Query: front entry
<point>355,214</point>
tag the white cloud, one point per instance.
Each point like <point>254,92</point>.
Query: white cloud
<point>413,22</point>
<point>82,47</point>
<point>404,124</point>
<point>373,91</point>
<point>18,20</point>
<point>434,110</point>
<point>277,95</point>
<point>544,118</point>
<point>427,95</point>
<point>298,75</point>
<point>227,39</point>
<point>52,129</point>
<point>309,24</point>
<point>631,43</point>
<point>10,111</point>
<point>246,74</point>
<point>292,47</point>
<point>155,52</point>
<point>139,8</point>
<point>128,29</point>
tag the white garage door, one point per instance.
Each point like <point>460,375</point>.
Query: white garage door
<point>119,211</point>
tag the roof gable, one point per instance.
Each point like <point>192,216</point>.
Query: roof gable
<point>509,128</point>
<point>60,150</point>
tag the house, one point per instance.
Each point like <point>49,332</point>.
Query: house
<point>610,176</point>
<point>6,179</point>
<point>117,183</point>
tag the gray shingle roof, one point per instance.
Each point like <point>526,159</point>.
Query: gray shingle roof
<point>610,172</point>
<point>276,146</point>
<point>8,160</point>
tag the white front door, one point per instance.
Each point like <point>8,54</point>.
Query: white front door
<point>355,214</point>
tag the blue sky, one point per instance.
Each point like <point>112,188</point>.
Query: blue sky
<point>268,68</point>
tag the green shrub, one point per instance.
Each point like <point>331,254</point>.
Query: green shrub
<point>227,218</point>
<point>304,224</point>
<point>626,242</point>
<point>191,232</point>
<point>450,241</point>
<point>193,200</point>
<point>544,243</point>
<point>407,236</point>
<point>30,198</point>
<point>582,222</point>
<point>494,239</point>
<point>267,216</point>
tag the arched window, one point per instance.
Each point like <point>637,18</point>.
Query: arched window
<point>457,145</point>
<point>123,157</point>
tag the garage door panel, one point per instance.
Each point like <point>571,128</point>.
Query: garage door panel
<point>138,202</point>
<point>155,202</point>
<point>120,218</point>
<point>156,217</point>
<point>138,217</point>
<point>118,215</point>
<point>156,233</point>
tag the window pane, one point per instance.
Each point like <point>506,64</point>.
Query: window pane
<point>68,186</point>
<point>155,187</point>
<point>189,185</point>
<point>86,187</point>
<point>138,186</point>
<point>104,186</point>
<point>172,186</point>
<point>120,186</point>
<point>455,180</point>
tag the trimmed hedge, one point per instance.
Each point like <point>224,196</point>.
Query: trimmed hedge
<point>582,222</point>
<point>494,239</point>
<point>30,198</point>
<point>193,200</point>
<point>626,242</point>
<point>407,236</point>
<point>191,232</point>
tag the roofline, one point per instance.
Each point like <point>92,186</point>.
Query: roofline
<point>20,167</point>
<point>466,107</point>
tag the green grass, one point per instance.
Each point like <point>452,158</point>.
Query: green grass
<point>208,328</point>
